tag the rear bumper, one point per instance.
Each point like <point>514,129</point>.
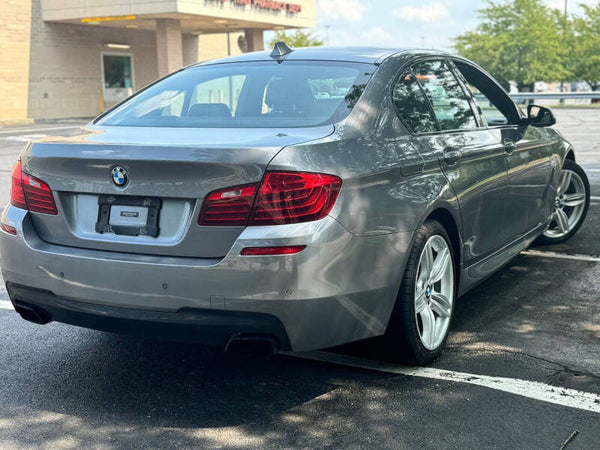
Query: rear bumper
<point>339,289</point>
<point>187,325</point>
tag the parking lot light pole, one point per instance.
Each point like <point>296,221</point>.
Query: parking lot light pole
<point>562,83</point>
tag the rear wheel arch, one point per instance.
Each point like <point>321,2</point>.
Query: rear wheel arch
<point>447,220</point>
<point>570,155</point>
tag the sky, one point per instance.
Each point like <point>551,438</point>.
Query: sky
<point>404,23</point>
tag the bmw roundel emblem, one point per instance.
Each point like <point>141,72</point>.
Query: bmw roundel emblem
<point>119,176</point>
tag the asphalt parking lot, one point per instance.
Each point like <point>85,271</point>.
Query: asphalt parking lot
<point>522,367</point>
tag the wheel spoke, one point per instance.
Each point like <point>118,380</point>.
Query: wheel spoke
<point>428,320</point>
<point>426,263</point>
<point>420,301</point>
<point>573,199</point>
<point>562,220</point>
<point>441,304</point>
<point>565,181</point>
<point>440,265</point>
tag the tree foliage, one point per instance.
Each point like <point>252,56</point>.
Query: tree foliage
<point>297,39</point>
<point>519,40</point>
<point>584,58</point>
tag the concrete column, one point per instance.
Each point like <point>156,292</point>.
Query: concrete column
<point>169,51</point>
<point>254,38</point>
<point>191,47</point>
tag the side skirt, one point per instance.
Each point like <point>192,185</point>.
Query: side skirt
<point>481,270</point>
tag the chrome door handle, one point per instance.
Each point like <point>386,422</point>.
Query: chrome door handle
<point>509,147</point>
<point>452,155</point>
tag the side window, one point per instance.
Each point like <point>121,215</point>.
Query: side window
<point>412,105</point>
<point>450,105</point>
<point>496,107</point>
<point>491,115</point>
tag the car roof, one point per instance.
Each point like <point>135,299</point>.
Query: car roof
<point>368,55</point>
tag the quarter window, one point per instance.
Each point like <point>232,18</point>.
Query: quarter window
<point>450,105</point>
<point>413,106</point>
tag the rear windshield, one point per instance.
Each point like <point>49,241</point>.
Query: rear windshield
<point>247,95</point>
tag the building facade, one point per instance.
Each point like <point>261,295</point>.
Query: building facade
<point>75,58</point>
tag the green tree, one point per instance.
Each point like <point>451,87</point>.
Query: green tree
<point>298,39</point>
<point>518,40</point>
<point>584,58</point>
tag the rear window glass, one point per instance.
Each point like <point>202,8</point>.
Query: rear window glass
<point>252,95</point>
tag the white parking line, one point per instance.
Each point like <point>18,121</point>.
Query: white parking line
<point>561,256</point>
<point>24,137</point>
<point>592,198</point>
<point>5,304</point>
<point>34,130</point>
<point>531,389</point>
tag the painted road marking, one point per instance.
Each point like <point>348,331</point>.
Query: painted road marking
<point>561,256</point>
<point>531,389</point>
<point>24,137</point>
<point>6,305</point>
<point>594,198</point>
<point>35,130</point>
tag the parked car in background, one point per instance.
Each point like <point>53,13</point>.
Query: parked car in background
<point>234,204</point>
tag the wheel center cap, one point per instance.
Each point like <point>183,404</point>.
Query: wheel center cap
<point>428,292</point>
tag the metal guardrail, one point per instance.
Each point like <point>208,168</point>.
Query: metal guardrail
<point>554,95</point>
<point>518,96</point>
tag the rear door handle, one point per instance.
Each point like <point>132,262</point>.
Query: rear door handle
<point>509,147</point>
<point>452,155</point>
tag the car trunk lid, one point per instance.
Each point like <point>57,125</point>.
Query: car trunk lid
<point>175,167</point>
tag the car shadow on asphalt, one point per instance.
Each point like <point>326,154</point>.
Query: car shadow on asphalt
<point>104,390</point>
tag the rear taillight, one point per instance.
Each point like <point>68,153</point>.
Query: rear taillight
<point>283,197</point>
<point>228,207</point>
<point>17,196</point>
<point>292,197</point>
<point>30,193</point>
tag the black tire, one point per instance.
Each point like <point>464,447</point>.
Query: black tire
<point>402,342</point>
<point>548,240</point>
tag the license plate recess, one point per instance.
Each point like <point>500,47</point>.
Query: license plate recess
<point>138,208</point>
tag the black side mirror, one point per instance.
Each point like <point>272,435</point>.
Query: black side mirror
<point>540,116</point>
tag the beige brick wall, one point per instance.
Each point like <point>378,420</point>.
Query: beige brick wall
<point>65,71</point>
<point>15,25</point>
<point>52,70</point>
<point>213,46</point>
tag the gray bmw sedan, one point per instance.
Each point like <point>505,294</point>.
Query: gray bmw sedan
<point>292,200</point>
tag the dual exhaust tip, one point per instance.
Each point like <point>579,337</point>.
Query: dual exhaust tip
<point>256,344</point>
<point>252,344</point>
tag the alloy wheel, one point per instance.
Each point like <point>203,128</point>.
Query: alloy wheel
<point>569,205</point>
<point>434,292</point>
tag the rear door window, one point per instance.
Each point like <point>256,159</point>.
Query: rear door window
<point>412,105</point>
<point>451,107</point>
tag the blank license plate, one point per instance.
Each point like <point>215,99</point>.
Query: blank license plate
<point>128,216</point>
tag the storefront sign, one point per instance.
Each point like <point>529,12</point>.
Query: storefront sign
<point>268,4</point>
<point>106,19</point>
